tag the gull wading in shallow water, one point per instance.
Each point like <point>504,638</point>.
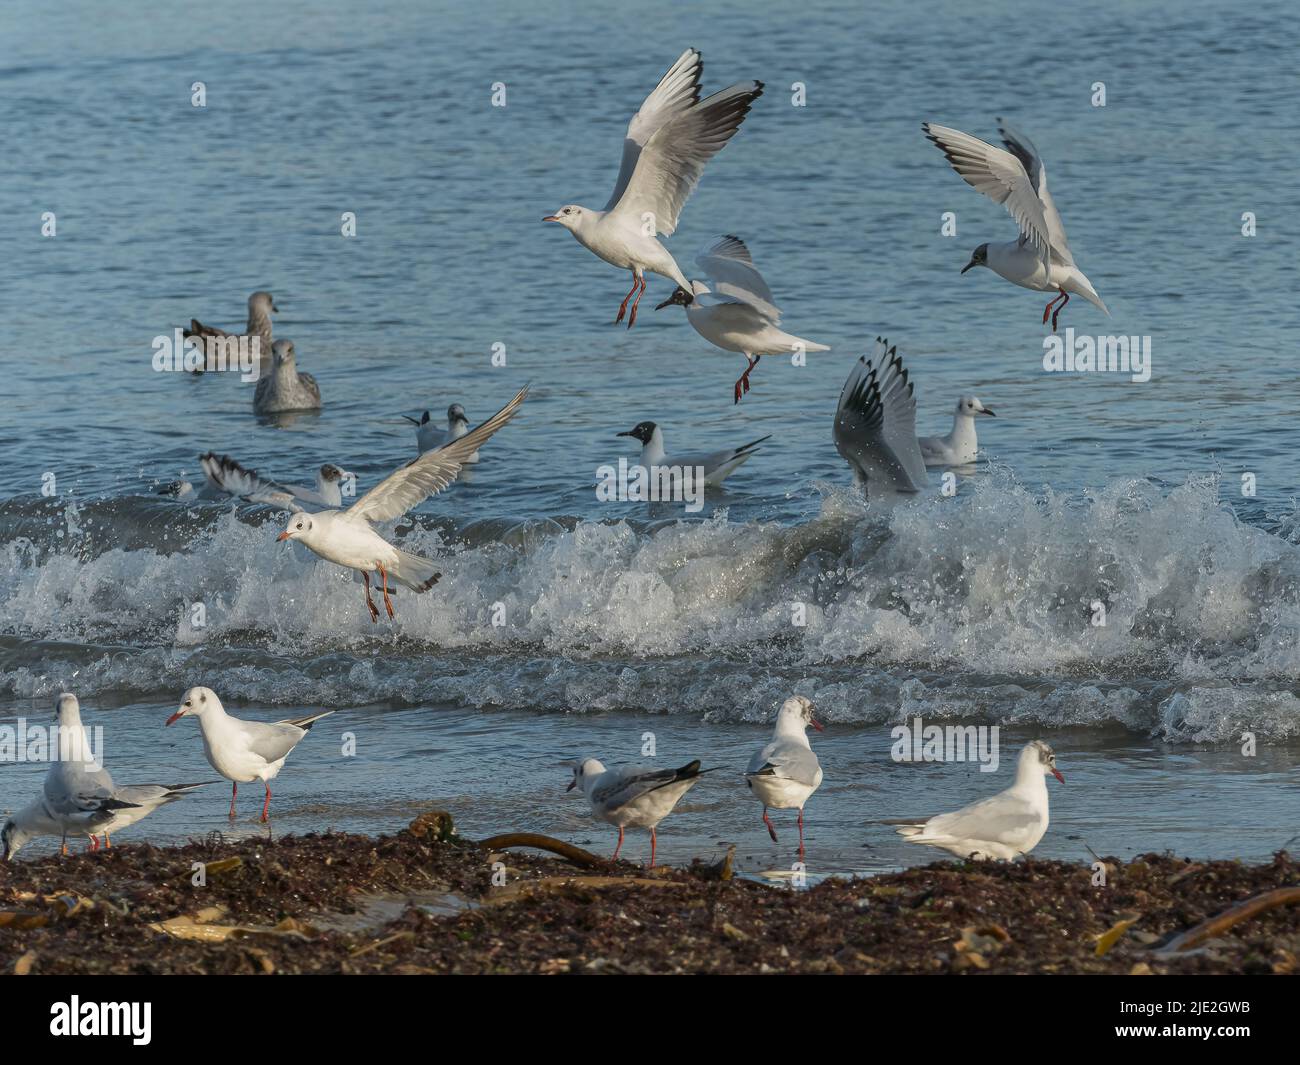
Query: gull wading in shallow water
<point>960,446</point>
<point>226,475</point>
<point>668,143</point>
<point>737,313</point>
<point>242,751</point>
<point>1017,178</point>
<point>875,426</point>
<point>786,772</point>
<point>1006,825</point>
<point>346,537</point>
<point>428,436</point>
<point>261,305</point>
<point>284,388</point>
<point>716,465</point>
<point>632,797</point>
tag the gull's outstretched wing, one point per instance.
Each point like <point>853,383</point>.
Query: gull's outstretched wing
<point>730,269</point>
<point>431,472</point>
<point>673,158</point>
<point>1000,176</point>
<point>1023,149</point>
<point>875,424</point>
<point>233,478</point>
<point>677,92</point>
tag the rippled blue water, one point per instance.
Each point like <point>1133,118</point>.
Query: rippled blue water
<point>1094,488</point>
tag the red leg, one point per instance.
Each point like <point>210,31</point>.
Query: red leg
<point>1057,313</point>
<point>388,603</point>
<point>652,848</point>
<point>234,790</point>
<point>374,610</point>
<point>631,321</point>
<point>107,844</point>
<point>768,821</point>
<point>801,833</point>
<point>266,805</point>
<point>622,307</point>
<point>743,383</point>
<point>93,845</point>
<point>620,844</point>
<point>1048,309</point>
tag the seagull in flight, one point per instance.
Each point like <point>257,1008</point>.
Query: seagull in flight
<point>1040,259</point>
<point>668,143</point>
<point>875,426</point>
<point>717,465</point>
<point>347,537</point>
<point>737,312</point>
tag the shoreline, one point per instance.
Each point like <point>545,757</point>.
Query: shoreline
<point>426,901</point>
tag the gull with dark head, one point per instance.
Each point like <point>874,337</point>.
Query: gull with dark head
<point>230,477</point>
<point>717,466</point>
<point>1004,826</point>
<point>668,143</point>
<point>428,437</point>
<point>347,537</point>
<point>1040,259</point>
<point>736,312</point>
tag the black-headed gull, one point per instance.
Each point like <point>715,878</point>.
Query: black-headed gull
<point>232,478</point>
<point>633,796</point>
<point>79,796</point>
<point>668,143</point>
<point>875,426</point>
<point>1041,258</point>
<point>960,446</point>
<point>261,305</point>
<point>242,751</point>
<point>1004,826</point>
<point>346,537</point>
<point>786,772</point>
<point>284,388</point>
<point>737,312</point>
<point>717,465</point>
<point>428,437</point>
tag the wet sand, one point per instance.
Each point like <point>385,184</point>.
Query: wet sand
<point>426,901</point>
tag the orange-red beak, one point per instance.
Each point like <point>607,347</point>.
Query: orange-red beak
<point>175,717</point>
<point>1057,773</point>
<point>282,536</point>
<point>551,218</point>
<point>816,724</point>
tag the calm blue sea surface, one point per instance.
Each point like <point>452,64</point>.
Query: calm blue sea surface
<point>621,619</point>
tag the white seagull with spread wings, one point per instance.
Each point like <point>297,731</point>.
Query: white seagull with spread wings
<point>668,143</point>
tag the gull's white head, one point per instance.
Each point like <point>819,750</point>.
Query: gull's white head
<point>1038,753</point>
<point>979,257</point>
<point>282,353</point>
<point>800,710</point>
<point>12,838</point>
<point>456,416</point>
<point>196,702</point>
<point>570,216</point>
<point>299,528</point>
<point>67,711</point>
<point>584,769</point>
<point>262,303</point>
<point>969,407</point>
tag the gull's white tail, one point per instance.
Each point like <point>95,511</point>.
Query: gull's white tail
<point>1079,284</point>
<point>415,571</point>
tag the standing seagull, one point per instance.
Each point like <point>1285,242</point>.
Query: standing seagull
<point>1041,258</point>
<point>261,305</point>
<point>632,797</point>
<point>1005,826</point>
<point>346,537</point>
<point>875,426</point>
<point>960,446</point>
<point>668,143</point>
<point>717,465</point>
<point>243,750</point>
<point>737,314</point>
<point>786,772</point>
<point>226,475</point>
<point>284,388</point>
<point>428,436</point>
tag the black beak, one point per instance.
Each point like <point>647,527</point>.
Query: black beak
<point>988,412</point>
<point>275,308</point>
<point>666,303</point>
<point>413,421</point>
<point>630,432</point>
<point>973,262</point>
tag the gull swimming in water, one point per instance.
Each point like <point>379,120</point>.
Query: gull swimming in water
<point>668,143</point>
<point>786,772</point>
<point>284,388</point>
<point>428,436</point>
<point>1017,178</point>
<point>717,465</point>
<point>960,446</point>
<point>226,475</point>
<point>737,313</point>
<point>875,426</point>
<point>632,797</point>
<point>1004,826</point>
<point>347,538</point>
<point>261,305</point>
<point>243,751</point>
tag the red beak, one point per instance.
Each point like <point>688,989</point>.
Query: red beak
<point>175,717</point>
<point>816,724</point>
<point>1057,773</point>
<point>282,536</point>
